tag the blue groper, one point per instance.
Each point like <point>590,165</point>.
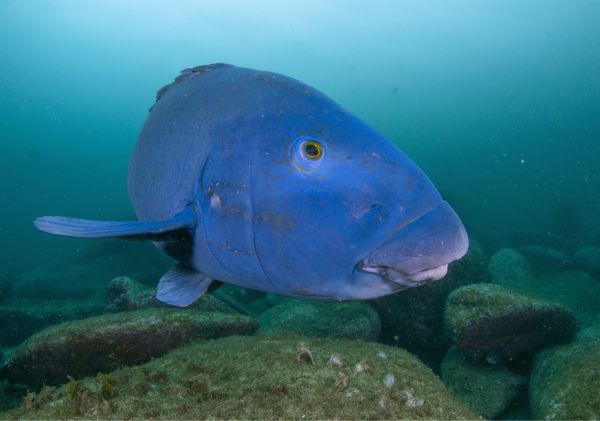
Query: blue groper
<point>256,179</point>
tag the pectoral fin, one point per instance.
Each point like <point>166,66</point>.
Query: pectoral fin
<point>130,230</point>
<point>181,286</point>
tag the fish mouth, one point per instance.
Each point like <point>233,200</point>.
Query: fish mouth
<point>420,251</point>
<point>405,279</point>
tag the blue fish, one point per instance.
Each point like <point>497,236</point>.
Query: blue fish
<point>255,179</point>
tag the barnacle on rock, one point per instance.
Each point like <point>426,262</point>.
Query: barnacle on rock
<point>304,354</point>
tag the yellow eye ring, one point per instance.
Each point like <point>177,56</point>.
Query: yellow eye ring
<point>311,150</point>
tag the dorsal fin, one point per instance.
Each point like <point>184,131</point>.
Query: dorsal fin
<point>189,72</point>
<point>130,230</point>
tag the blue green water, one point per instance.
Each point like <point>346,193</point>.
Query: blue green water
<point>498,101</point>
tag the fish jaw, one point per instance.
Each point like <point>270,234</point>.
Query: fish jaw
<point>405,280</point>
<point>420,251</point>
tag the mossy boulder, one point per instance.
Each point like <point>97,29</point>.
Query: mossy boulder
<point>103,343</point>
<point>544,259</point>
<point>124,293</point>
<point>486,389</point>
<point>22,318</point>
<point>491,323</point>
<point>565,382</point>
<point>588,258</point>
<point>414,318</point>
<point>257,377</point>
<point>575,289</point>
<point>351,320</point>
<point>508,268</point>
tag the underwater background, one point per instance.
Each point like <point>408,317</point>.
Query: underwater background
<point>497,101</point>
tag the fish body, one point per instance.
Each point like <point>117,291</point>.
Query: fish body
<point>256,179</point>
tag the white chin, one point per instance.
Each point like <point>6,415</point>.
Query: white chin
<point>409,281</point>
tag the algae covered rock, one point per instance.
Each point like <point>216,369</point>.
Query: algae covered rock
<point>588,259</point>
<point>351,320</point>
<point>257,377</point>
<point>124,293</point>
<point>510,268</point>
<point>414,318</point>
<point>486,389</point>
<point>565,382</point>
<point>22,318</point>
<point>545,259</point>
<point>489,322</point>
<point>103,343</point>
<point>575,289</point>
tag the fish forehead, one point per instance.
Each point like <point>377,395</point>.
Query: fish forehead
<point>181,129</point>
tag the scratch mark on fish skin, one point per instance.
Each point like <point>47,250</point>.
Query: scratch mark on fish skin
<point>276,220</point>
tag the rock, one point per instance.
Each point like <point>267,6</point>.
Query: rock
<point>565,382</point>
<point>256,377</point>
<point>103,343</point>
<point>485,389</point>
<point>124,293</point>
<point>508,268</point>
<point>11,395</point>
<point>545,259</point>
<point>244,300</point>
<point>351,320</point>
<point>590,333</point>
<point>588,259</point>
<point>23,318</point>
<point>576,290</point>
<point>414,318</point>
<point>491,323</point>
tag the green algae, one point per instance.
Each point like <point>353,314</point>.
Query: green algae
<point>350,320</point>
<point>258,377</point>
<point>471,303</point>
<point>24,317</point>
<point>103,343</point>
<point>490,321</point>
<point>485,389</point>
<point>565,382</point>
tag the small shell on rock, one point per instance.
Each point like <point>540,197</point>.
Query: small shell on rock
<point>412,402</point>
<point>352,392</point>
<point>382,355</point>
<point>335,361</point>
<point>389,381</point>
<point>343,382</point>
<point>382,403</point>
<point>304,354</point>
<point>363,368</point>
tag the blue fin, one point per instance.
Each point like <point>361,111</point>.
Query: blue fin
<point>132,230</point>
<point>181,286</point>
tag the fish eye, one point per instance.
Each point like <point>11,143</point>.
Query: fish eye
<point>312,150</point>
<point>307,153</point>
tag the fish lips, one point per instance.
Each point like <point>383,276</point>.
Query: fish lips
<point>404,279</point>
<point>420,251</point>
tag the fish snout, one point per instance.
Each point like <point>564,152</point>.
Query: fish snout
<point>420,251</point>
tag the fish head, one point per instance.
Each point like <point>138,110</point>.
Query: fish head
<point>341,213</point>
